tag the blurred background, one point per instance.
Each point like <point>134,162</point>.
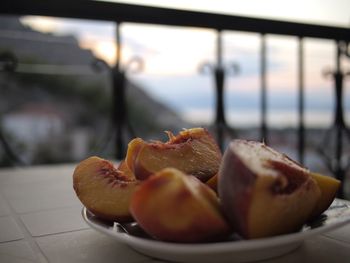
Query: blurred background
<point>56,104</point>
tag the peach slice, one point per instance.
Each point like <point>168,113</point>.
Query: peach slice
<point>263,192</point>
<point>124,169</point>
<point>103,189</point>
<point>213,183</point>
<point>193,151</point>
<point>173,206</point>
<point>329,187</point>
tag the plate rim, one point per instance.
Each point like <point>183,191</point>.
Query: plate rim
<point>216,247</point>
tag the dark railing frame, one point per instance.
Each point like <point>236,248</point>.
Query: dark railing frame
<point>120,13</point>
<point>108,11</point>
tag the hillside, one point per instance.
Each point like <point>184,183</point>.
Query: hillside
<point>82,96</point>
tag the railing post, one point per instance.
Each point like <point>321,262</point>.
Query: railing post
<point>123,127</point>
<point>219,74</point>
<point>335,159</point>
<point>220,71</point>
<point>119,111</point>
<point>118,99</point>
<point>339,122</point>
<point>301,127</point>
<point>263,98</point>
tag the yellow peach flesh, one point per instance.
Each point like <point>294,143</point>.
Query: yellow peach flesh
<point>103,190</point>
<point>172,206</point>
<point>263,192</point>
<point>213,183</point>
<point>193,151</point>
<point>273,214</point>
<point>329,187</point>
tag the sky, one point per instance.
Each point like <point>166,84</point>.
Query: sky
<point>172,58</point>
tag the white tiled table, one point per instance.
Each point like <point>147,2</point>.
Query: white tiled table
<point>40,221</point>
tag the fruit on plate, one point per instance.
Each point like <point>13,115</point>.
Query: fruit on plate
<point>124,169</point>
<point>329,187</point>
<point>103,189</point>
<point>263,192</point>
<point>213,183</point>
<point>193,151</point>
<point>176,207</point>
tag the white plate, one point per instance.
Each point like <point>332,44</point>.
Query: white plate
<point>233,250</point>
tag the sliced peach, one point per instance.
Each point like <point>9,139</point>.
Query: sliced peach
<point>329,187</point>
<point>125,170</point>
<point>213,183</point>
<point>263,192</point>
<point>132,154</point>
<point>193,151</point>
<point>103,189</point>
<point>173,206</point>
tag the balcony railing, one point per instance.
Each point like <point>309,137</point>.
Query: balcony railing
<point>120,13</point>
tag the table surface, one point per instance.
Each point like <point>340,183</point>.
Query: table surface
<point>40,221</point>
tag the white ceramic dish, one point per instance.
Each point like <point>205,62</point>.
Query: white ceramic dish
<point>233,250</point>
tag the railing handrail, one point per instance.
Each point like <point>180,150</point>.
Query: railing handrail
<point>118,12</point>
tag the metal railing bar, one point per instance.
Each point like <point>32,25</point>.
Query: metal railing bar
<point>219,72</point>
<point>108,11</point>
<point>301,125</point>
<point>120,118</point>
<point>118,51</point>
<point>119,97</point>
<point>339,122</point>
<point>263,88</point>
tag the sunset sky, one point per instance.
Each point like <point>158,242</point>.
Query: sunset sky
<point>172,57</point>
